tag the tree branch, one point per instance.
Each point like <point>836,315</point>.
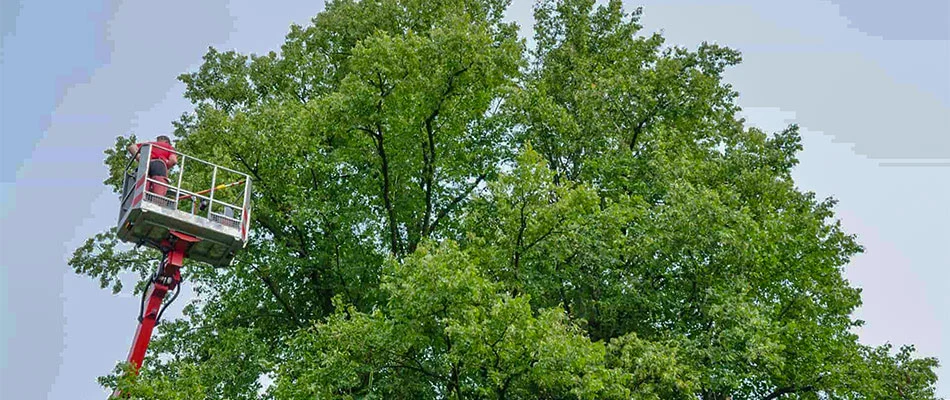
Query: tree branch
<point>386,187</point>
<point>394,242</point>
<point>276,292</point>
<point>793,389</point>
<point>455,201</point>
<point>429,153</point>
<point>662,103</point>
<point>302,245</point>
<point>546,234</point>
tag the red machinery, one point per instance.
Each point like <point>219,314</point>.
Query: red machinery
<point>180,223</point>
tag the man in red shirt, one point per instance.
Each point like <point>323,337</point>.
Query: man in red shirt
<point>163,158</point>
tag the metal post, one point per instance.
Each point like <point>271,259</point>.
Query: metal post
<point>246,209</point>
<point>214,176</point>
<point>147,161</point>
<point>181,173</point>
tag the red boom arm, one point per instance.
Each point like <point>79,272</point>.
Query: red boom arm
<point>167,279</point>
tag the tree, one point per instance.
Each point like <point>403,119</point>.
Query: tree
<point>443,213</point>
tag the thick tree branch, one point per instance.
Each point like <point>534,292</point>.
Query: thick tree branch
<point>302,244</point>
<point>794,389</point>
<point>429,153</point>
<point>546,234</point>
<point>428,174</point>
<point>788,390</point>
<point>455,201</point>
<point>423,371</point>
<point>276,293</point>
<point>639,127</point>
<point>379,138</point>
<point>519,240</point>
<point>394,242</point>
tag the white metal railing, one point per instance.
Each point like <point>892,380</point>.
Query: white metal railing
<point>194,195</point>
<point>237,220</point>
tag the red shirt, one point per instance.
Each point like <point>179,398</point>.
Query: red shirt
<point>160,150</point>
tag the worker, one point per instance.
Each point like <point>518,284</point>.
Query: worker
<point>163,159</point>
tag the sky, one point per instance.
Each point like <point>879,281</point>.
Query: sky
<point>868,83</point>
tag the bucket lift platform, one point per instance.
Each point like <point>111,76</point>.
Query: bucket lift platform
<point>197,205</point>
<point>195,217</point>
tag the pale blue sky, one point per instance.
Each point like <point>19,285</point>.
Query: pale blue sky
<point>869,85</point>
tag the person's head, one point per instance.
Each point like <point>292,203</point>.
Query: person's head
<point>163,139</point>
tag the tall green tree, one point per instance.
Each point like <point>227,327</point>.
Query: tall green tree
<point>441,212</point>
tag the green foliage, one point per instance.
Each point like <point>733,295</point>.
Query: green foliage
<point>445,330</point>
<point>99,258</point>
<point>442,213</point>
<point>117,160</point>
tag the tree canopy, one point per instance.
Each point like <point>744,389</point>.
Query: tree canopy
<point>442,212</point>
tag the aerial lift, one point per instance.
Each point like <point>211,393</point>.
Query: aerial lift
<point>202,225</point>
